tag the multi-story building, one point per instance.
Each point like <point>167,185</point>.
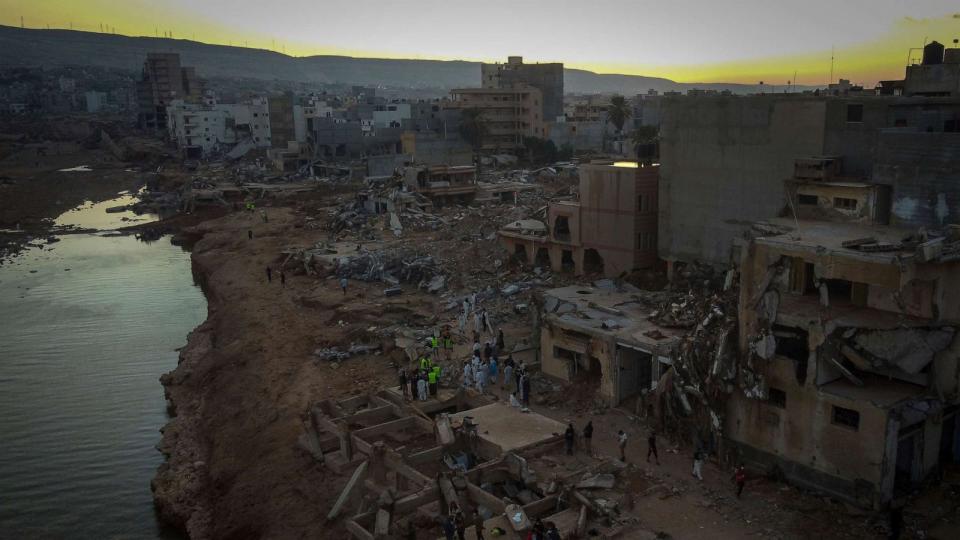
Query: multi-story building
<point>200,129</point>
<point>547,78</point>
<point>851,326</point>
<point>937,74</point>
<point>164,81</point>
<point>610,230</point>
<point>509,114</point>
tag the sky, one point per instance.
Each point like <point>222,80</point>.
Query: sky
<point>685,40</point>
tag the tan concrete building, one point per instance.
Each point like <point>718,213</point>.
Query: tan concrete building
<point>602,338</point>
<point>510,114</point>
<point>853,328</point>
<point>163,81</point>
<point>547,78</point>
<point>611,229</point>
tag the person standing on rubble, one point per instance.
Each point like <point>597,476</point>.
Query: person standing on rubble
<point>652,446</point>
<point>487,323</point>
<point>493,370</point>
<point>622,443</point>
<point>249,234</point>
<point>568,436</point>
<point>501,344</point>
<point>478,525</point>
<point>403,382</point>
<point>343,285</point>
<point>448,528</point>
<point>434,379</point>
<point>525,389</point>
<point>467,375</point>
<point>740,478</point>
<point>698,465</point>
<point>508,376</point>
<point>481,377</point>
<point>588,437</point>
<point>447,337</point>
<point>283,279</point>
<point>269,275</point>
<point>263,214</point>
<point>422,387</point>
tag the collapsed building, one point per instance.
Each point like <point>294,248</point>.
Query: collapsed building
<point>611,229</point>
<point>851,327</point>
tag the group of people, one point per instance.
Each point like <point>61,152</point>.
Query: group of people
<point>422,382</point>
<point>454,526</point>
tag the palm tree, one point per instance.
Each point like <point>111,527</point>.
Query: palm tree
<point>618,112</point>
<point>473,129</point>
<point>644,140</point>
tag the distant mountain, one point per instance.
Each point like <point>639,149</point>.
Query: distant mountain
<point>31,47</point>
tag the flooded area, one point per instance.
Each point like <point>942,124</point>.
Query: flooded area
<point>87,326</point>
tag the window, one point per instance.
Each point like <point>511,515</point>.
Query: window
<point>854,113</point>
<point>643,204</point>
<point>844,204</point>
<point>807,199</point>
<point>777,398</point>
<point>847,418</point>
<point>645,241</point>
<point>254,115</point>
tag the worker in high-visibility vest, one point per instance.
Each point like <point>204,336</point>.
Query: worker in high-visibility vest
<point>433,380</point>
<point>425,363</point>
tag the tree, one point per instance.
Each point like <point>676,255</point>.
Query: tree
<point>618,112</point>
<point>473,128</point>
<point>644,140</point>
<point>540,151</point>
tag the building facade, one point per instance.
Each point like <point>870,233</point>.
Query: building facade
<point>547,78</point>
<point>163,81</point>
<point>509,114</point>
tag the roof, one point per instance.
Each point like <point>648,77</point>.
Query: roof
<point>619,314</point>
<point>879,391</point>
<point>830,235</point>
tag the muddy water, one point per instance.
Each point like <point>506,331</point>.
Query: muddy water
<point>86,329</point>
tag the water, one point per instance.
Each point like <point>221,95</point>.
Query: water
<point>81,406</point>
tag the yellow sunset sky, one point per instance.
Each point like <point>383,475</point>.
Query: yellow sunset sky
<point>685,40</point>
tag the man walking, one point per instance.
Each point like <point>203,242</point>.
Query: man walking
<point>283,279</point>
<point>568,437</point>
<point>249,234</point>
<point>422,387</point>
<point>652,447</point>
<point>269,275</point>
<point>622,443</point>
<point>343,285</point>
<point>508,376</point>
<point>403,383</point>
<point>467,375</point>
<point>525,389</point>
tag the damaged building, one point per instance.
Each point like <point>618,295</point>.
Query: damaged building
<point>610,230</point>
<point>850,326</point>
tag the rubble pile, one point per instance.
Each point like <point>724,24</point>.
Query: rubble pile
<point>393,267</point>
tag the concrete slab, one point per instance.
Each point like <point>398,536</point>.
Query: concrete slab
<point>510,429</point>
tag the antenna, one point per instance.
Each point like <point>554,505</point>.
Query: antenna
<point>21,21</point>
<point>831,67</point>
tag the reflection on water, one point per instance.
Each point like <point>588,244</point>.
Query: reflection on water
<point>86,329</point>
<point>91,215</point>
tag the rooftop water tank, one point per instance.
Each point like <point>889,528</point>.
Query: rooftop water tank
<point>933,53</point>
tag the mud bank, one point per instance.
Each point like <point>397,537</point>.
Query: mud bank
<point>245,380</point>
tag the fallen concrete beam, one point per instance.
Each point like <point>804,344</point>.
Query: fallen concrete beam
<point>846,372</point>
<point>856,358</point>
<point>358,531</point>
<point>427,495</point>
<point>387,427</point>
<point>543,507</point>
<point>372,416</point>
<point>432,454</point>
<point>347,491</point>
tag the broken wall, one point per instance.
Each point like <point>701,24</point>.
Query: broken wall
<point>923,169</point>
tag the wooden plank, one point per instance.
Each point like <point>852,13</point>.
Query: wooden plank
<point>347,491</point>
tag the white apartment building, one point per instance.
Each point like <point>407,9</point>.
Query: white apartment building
<point>201,129</point>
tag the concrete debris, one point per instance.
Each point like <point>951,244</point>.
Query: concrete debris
<point>393,267</point>
<point>909,349</point>
<point>597,481</point>
<point>335,354</point>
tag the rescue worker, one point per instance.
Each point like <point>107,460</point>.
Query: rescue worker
<point>433,379</point>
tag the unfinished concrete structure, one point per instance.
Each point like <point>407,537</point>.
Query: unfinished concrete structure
<point>163,81</point>
<point>602,338</point>
<point>851,329</point>
<point>442,183</point>
<point>547,78</point>
<point>509,114</point>
<point>611,230</point>
<point>414,463</point>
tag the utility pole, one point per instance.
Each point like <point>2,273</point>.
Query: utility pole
<point>21,22</point>
<point>831,67</point>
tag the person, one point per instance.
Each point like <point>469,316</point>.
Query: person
<point>588,437</point>
<point>411,531</point>
<point>467,375</point>
<point>263,214</point>
<point>508,375</point>
<point>698,465</point>
<point>476,346</point>
<point>896,522</point>
<point>249,234</point>
<point>343,285</point>
<point>552,532</point>
<point>501,344</point>
<point>414,379</point>
<point>493,370</point>
<point>283,279</point>
<point>478,525</point>
<point>461,524</point>
<point>525,390</point>
<point>434,378</point>
<point>652,447</point>
<point>425,363</point>
<point>448,528</point>
<point>480,375</point>
<point>447,341</point>
<point>403,382</point>
<point>477,325</point>
<point>740,478</point>
<point>434,343</point>
<point>269,275</point>
<point>539,530</point>
<point>513,400</point>
<point>422,387</point>
<point>487,350</point>
<point>487,324</point>
<point>622,443</point>
<point>568,437</point>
